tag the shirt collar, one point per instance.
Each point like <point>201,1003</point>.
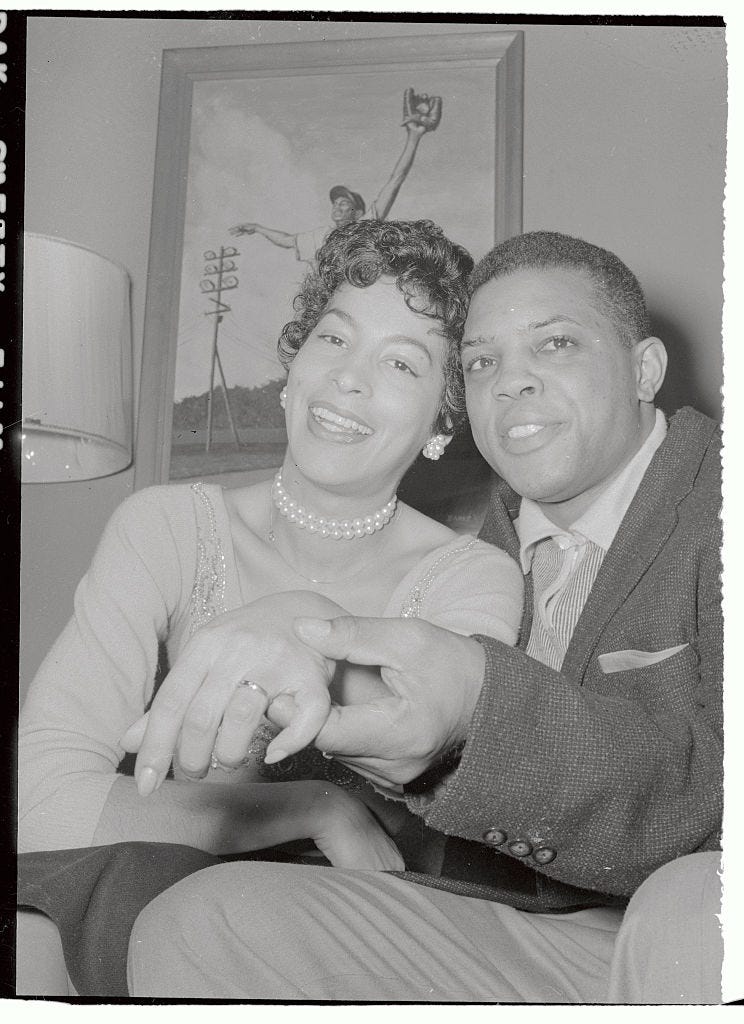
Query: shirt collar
<point>602,519</point>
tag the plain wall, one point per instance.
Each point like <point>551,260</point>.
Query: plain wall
<point>624,145</point>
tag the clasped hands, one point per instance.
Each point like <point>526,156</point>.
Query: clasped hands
<point>390,728</point>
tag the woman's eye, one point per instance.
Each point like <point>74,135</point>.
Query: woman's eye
<point>557,344</point>
<point>332,339</point>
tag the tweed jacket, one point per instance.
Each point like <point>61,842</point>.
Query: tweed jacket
<point>574,785</point>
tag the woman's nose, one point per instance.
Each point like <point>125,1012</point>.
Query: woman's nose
<point>352,377</point>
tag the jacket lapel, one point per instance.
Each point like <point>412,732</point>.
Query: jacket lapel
<point>498,529</point>
<point>643,532</point>
<point>650,519</point>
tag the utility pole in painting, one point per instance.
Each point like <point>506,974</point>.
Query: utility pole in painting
<point>219,277</point>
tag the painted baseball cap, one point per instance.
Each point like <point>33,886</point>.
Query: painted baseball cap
<point>353,197</point>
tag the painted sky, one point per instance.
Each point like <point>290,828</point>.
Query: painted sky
<point>269,149</point>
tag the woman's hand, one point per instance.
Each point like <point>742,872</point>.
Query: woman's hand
<point>348,834</point>
<point>201,706</point>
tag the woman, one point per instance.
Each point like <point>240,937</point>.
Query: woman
<point>373,378</point>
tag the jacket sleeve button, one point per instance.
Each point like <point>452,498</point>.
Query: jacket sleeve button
<point>494,837</point>
<point>544,855</point>
<point>520,848</point>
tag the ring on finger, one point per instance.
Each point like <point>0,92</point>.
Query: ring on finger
<point>250,685</point>
<point>256,688</point>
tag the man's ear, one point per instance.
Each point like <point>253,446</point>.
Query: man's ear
<point>651,363</point>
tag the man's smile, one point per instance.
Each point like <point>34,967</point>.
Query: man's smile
<point>524,430</point>
<point>527,436</point>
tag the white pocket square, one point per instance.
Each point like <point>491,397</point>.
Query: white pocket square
<point>620,661</point>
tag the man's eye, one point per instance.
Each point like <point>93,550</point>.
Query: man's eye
<point>398,364</point>
<point>557,344</point>
<point>479,363</point>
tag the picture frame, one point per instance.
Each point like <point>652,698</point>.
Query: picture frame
<point>250,132</point>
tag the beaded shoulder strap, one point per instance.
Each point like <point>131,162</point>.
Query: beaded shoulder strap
<point>208,593</point>
<point>411,608</point>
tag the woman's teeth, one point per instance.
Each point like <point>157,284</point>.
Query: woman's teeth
<point>333,422</point>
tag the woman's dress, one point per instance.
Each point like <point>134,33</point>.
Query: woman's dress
<point>164,567</point>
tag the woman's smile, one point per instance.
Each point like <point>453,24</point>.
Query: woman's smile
<point>368,379</point>
<point>339,424</point>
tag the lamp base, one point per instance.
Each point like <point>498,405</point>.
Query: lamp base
<point>55,456</point>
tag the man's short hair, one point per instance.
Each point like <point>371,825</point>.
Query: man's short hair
<point>620,295</point>
<point>354,198</point>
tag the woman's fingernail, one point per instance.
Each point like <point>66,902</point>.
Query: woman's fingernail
<point>313,629</point>
<point>147,781</point>
<point>275,754</point>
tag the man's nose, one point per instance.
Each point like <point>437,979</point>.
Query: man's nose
<point>516,379</point>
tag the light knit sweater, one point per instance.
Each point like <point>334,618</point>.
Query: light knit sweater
<point>165,565</point>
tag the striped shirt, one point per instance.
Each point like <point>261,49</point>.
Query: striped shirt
<point>564,562</point>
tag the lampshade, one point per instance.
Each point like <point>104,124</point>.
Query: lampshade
<point>77,363</point>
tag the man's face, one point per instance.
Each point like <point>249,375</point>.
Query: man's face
<point>552,391</point>
<point>343,211</point>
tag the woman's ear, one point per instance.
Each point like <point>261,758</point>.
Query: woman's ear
<point>449,427</point>
<point>651,363</point>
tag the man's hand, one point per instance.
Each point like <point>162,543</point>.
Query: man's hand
<point>421,113</point>
<point>433,678</point>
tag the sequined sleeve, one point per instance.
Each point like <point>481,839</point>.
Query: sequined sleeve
<point>411,608</point>
<point>470,588</point>
<point>208,594</point>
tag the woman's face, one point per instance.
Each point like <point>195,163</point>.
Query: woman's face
<point>364,390</point>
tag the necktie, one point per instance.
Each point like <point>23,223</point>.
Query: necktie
<point>563,572</point>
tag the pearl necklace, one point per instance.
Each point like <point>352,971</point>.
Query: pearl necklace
<point>337,529</point>
<point>315,579</point>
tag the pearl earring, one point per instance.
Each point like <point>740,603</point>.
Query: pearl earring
<point>434,448</point>
<point>283,397</point>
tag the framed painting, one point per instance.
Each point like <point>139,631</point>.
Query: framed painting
<point>261,149</point>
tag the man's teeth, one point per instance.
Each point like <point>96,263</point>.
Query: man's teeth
<point>524,430</point>
<point>332,421</point>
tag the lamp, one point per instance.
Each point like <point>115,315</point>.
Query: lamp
<point>77,363</point>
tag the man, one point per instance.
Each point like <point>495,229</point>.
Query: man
<point>568,773</point>
<point>421,114</point>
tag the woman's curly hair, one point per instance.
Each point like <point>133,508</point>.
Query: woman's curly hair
<point>430,271</point>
